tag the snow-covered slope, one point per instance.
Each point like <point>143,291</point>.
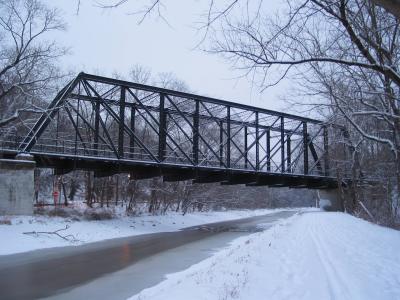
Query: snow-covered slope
<point>309,256</point>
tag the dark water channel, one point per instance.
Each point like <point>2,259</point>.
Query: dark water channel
<point>118,268</point>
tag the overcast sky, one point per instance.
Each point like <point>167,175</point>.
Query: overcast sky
<point>105,41</point>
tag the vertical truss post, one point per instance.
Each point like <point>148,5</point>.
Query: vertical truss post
<point>196,133</point>
<point>57,127</point>
<point>228,138</point>
<point>132,127</point>
<point>162,137</point>
<point>257,144</point>
<point>96,126</point>
<point>245,148</point>
<point>77,124</point>
<point>282,144</point>
<point>221,143</point>
<point>289,154</point>
<point>305,148</point>
<point>326,150</point>
<point>121,122</point>
<point>77,121</point>
<point>268,150</point>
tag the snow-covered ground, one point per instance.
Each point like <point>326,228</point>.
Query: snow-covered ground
<point>83,231</point>
<point>314,255</point>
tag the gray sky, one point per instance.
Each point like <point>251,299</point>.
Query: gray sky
<point>104,41</point>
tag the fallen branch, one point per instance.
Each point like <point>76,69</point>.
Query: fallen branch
<point>367,211</point>
<point>69,237</point>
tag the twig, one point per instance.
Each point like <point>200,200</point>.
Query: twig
<point>68,237</point>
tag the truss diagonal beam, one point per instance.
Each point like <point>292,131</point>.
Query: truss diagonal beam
<point>46,117</point>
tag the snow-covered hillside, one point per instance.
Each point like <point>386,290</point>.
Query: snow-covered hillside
<point>314,255</point>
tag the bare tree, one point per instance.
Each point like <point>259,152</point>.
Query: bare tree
<point>344,53</point>
<point>391,6</point>
<point>28,70</point>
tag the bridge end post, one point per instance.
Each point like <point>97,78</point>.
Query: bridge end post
<point>330,200</point>
<point>17,185</point>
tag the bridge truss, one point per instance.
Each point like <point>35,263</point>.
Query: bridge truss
<point>112,126</point>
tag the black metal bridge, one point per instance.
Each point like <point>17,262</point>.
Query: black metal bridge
<point>111,126</point>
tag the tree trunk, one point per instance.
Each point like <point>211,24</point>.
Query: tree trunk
<point>89,189</point>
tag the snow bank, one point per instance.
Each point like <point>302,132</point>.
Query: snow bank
<point>14,241</point>
<point>310,256</point>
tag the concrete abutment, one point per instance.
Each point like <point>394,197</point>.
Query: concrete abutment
<point>330,200</point>
<point>17,185</point>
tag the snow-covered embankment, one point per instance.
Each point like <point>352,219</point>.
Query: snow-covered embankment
<point>309,256</point>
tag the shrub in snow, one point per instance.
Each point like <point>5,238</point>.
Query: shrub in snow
<point>5,222</point>
<point>63,212</point>
<point>98,214</point>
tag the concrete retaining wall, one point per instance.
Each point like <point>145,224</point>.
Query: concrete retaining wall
<point>17,186</point>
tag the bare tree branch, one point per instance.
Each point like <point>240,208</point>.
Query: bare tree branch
<point>69,237</point>
<point>28,71</point>
<point>392,6</point>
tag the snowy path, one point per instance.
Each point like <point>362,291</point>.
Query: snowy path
<point>309,256</point>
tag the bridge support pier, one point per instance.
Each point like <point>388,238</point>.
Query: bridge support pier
<point>17,185</point>
<point>330,200</point>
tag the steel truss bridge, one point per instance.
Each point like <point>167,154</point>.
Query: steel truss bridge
<point>112,126</point>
